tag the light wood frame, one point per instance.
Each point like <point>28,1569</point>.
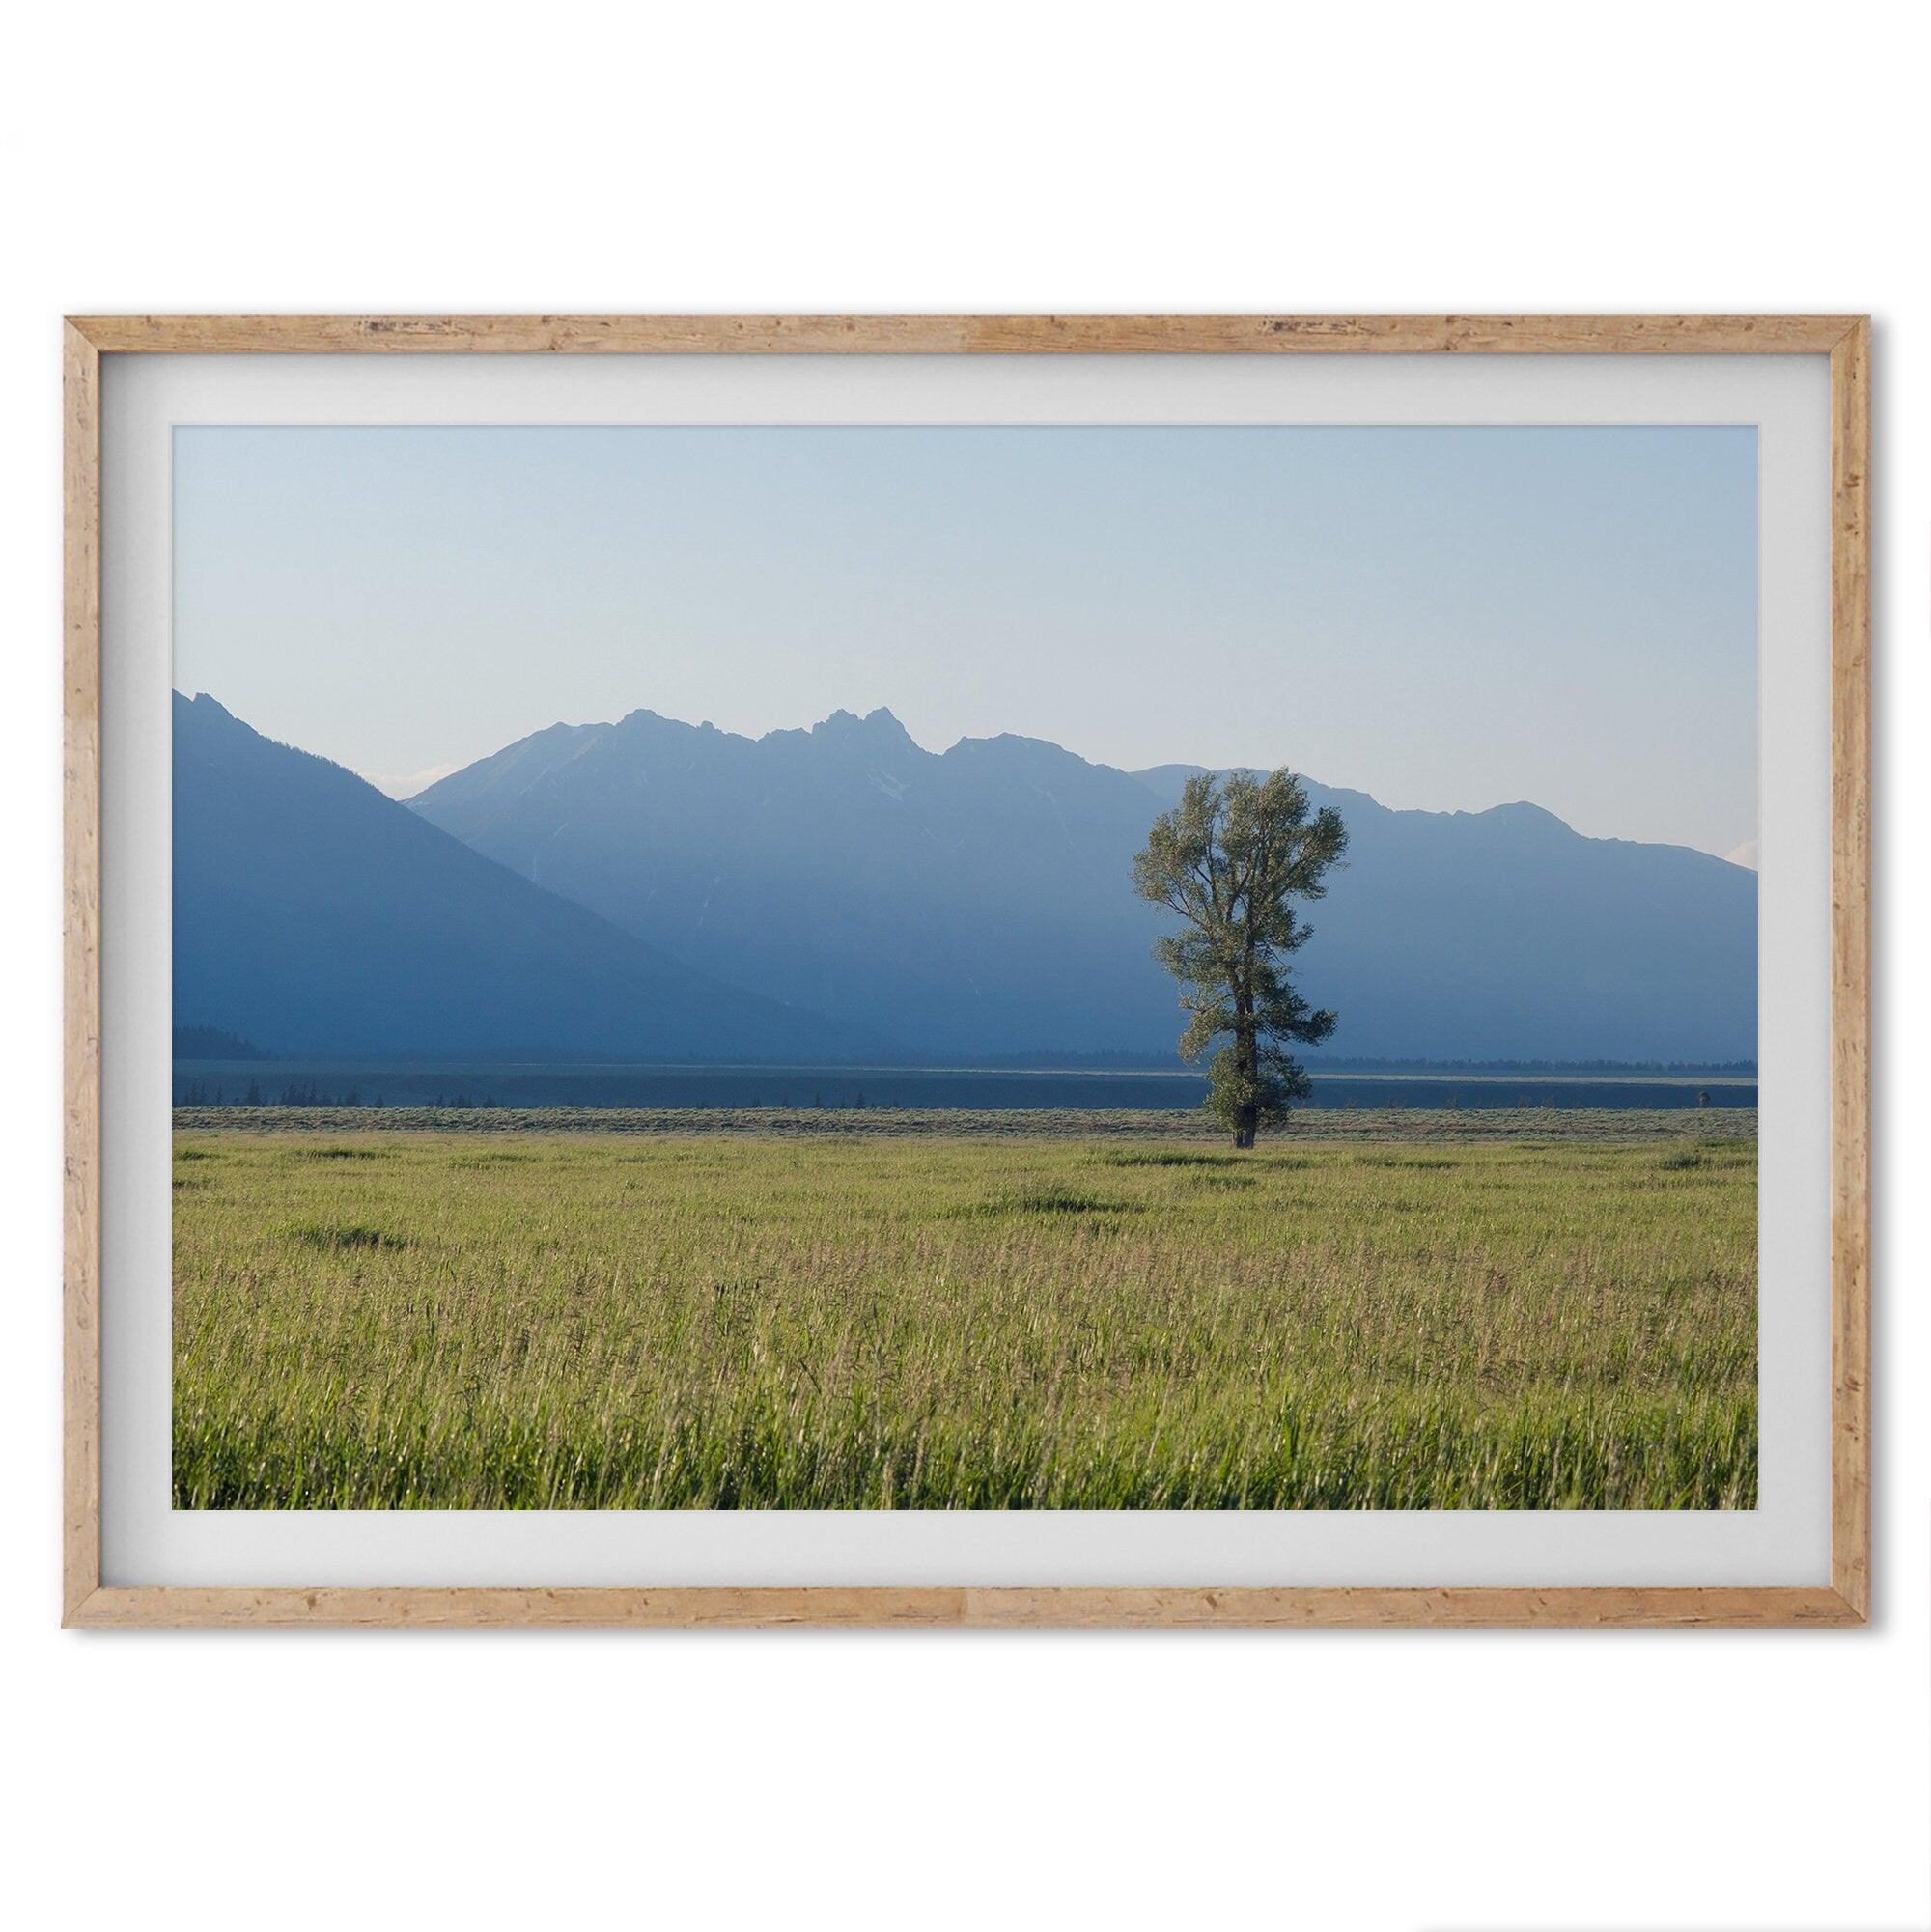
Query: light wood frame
<point>1845,340</point>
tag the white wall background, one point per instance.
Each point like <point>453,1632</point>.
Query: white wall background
<point>1009,157</point>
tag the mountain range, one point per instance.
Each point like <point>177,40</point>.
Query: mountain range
<point>313,915</point>
<point>648,888</point>
<point>978,901</point>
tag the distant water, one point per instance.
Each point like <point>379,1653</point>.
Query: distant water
<point>374,1084</point>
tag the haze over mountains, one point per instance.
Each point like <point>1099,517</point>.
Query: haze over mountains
<point>649,889</point>
<point>313,915</point>
<point>978,901</point>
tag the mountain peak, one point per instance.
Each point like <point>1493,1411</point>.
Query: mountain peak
<point>1521,816</point>
<point>982,898</point>
<point>313,915</point>
<point>879,725</point>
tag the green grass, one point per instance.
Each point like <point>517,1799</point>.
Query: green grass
<point>1166,1126</point>
<point>883,1319</point>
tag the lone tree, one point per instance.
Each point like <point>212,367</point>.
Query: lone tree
<point>1231,859</point>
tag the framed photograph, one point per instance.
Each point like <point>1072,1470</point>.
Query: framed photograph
<point>967,971</point>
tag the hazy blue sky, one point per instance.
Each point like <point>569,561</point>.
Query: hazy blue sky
<point>1448,618</point>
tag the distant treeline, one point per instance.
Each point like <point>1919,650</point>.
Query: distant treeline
<point>1121,1060</point>
<point>306,1093</point>
<point>1733,1068</point>
<point>211,1042</point>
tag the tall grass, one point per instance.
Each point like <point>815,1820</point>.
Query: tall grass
<point>584,1321</point>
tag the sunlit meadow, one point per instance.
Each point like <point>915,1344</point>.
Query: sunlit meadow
<point>873,1314</point>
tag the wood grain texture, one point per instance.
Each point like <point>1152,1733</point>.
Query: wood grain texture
<point>1846,1600</point>
<point>1849,967</point>
<point>963,335</point>
<point>972,1609</point>
<point>80,1483</point>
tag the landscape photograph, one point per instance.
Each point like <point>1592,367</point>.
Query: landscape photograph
<point>944,968</point>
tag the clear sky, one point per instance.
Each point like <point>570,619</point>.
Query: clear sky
<point>1445,618</point>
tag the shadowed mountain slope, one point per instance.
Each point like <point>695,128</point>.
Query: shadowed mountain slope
<point>315,916</point>
<point>1505,935</point>
<point>980,899</point>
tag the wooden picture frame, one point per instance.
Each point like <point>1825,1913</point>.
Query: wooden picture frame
<point>1844,340</point>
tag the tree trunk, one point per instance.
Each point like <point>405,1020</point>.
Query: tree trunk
<point>1246,1063</point>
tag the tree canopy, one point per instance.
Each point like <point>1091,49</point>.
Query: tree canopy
<point>1231,860</point>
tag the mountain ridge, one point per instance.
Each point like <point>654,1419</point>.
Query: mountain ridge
<point>315,914</point>
<point>978,899</point>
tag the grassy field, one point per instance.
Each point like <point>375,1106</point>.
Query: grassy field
<point>877,1312</point>
<point>1516,1125</point>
